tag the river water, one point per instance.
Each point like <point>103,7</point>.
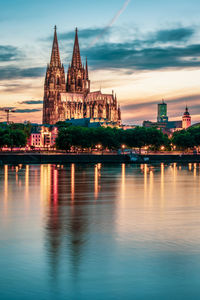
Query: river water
<point>100,232</point>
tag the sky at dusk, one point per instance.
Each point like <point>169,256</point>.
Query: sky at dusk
<point>144,50</point>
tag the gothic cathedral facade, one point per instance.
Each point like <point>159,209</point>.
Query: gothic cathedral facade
<point>71,98</point>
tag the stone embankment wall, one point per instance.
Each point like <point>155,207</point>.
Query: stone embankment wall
<point>37,158</point>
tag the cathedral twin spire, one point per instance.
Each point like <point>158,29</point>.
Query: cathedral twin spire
<point>72,99</point>
<point>76,57</point>
<point>77,77</point>
<point>55,55</point>
<point>54,85</point>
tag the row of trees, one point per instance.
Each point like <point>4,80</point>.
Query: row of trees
<point>110,138</point>
<point>187,138</point>
<point>139,137</point>
<point>14,135</point>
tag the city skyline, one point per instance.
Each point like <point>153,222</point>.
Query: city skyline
<point>146,55</point>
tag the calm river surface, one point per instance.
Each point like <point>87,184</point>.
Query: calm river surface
<point>100,232</point>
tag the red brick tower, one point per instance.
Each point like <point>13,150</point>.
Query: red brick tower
<point>77,76</point>
<point>53,86</point>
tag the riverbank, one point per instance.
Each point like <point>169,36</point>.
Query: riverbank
<point>41,158</point>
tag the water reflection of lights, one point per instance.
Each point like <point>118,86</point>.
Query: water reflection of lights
<point>16,176</point>
<point>72,181</point>
<point>41,182</point>
<point>45,183</point>
<point>190,167</point>
<point>36,176</point>
<point>5,188</point>
<point>48,187</point>
<point>27,183</point>
<point>96,185</point>
<point>123,181</point>
<point>55,186</point>
<point>162,187</point>
<point>145,170</point>
<point>174,171</point>
<point>97,174</point>
<point>195,170</point>
<point>151,181</point>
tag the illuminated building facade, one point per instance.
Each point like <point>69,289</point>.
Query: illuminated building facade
<point>36,140</point>
<point>186,119</point>
<point>72,98</point>
<point>43,137</point>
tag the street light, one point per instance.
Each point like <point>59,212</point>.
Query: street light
<point>123,147</point>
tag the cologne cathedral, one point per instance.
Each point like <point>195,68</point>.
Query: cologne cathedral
<point>70,97</point>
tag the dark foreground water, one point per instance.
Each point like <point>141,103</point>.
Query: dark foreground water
<point>100,232</point>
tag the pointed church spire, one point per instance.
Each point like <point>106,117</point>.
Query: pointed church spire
<point>186,113</point>
<point>55,55</point>
<point>76,58</point>
<point>86,69</point>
